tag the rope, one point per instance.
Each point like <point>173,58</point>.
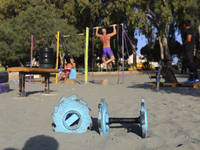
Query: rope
<point>146,72</point>
<point>135,50</point>
<point>128,57</point>
<point>129,40</point>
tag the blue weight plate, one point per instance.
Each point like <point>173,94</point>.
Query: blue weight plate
<point>4,87</point>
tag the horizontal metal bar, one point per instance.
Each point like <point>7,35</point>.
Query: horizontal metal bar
<point>105,26</point>
<point>45,36</point>
<point>124,120</point>
<point>73,35</point>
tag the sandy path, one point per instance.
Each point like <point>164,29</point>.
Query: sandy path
<point>173,115</point>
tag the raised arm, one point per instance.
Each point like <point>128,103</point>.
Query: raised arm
<point>114,31</point>
<point>97,34</point>
<point>73,64</point>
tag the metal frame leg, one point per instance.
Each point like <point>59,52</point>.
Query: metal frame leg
<point>46,83</point>
<point>158,76</point>
<point>22,92</point>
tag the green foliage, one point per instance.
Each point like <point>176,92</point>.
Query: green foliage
<point>15,34</point>
<point>152,52</point>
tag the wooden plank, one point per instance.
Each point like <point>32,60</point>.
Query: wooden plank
<point>70,81</point>
<point>104,82</point>
<point>155,84</point>
<point>35,80</point>
<point>176,84</point>
<point>194,85</point>
<point>32,70</point>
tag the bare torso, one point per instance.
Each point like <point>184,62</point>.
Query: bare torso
<point>105,40</point>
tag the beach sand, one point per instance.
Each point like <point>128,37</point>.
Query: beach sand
<point>173,115</point>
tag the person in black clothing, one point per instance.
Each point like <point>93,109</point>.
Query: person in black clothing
<point>188,45</point>
<point>184,65</point>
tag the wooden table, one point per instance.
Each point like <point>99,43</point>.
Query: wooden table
<point>24,70</point>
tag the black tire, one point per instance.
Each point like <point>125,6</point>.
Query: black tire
<point>47,66</point>
<point>46,61</point>
<point>46,50</point>
<point>4,87</point>
<point>4,76</point>
<point>46,55</point>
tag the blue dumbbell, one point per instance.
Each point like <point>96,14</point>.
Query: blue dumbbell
<point>104,120</point>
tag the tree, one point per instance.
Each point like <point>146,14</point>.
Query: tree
<point>157,14</point>
<point>11,8</point>
<point>39,22</point>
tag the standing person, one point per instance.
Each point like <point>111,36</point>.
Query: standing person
<point>105,39</point>
<point>67,70</point>
<point>188,45</point>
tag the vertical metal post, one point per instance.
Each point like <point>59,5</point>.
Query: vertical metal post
<point>57,54</point>
<point>122,55</point>
<point>86,54</point>
<point>158,77</point>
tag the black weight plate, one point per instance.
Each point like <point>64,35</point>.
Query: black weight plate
<point>4,76</point>
<point>46,61</point>
<point>47,66</point>
<point>4,87</point>
<point>46,55</point>
<point>46,50</point>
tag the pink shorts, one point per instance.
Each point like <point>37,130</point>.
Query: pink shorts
<point>66,70</point>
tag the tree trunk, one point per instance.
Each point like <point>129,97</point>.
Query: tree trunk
<point>199,39</point>
<point>62,55</point>
<point>199,33</point>
<point>20,63</point>
<point>131,35</point>
<point>161,50</point>
<point>166,51</point>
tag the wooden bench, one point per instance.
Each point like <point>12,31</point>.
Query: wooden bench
<point>24,70</point>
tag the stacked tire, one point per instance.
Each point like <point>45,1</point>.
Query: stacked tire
<point>46,58</point>
<point>4,85</point>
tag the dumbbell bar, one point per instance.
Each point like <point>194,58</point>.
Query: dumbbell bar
<point>124,120</point>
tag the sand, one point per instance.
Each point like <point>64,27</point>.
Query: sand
<point>173,116</point>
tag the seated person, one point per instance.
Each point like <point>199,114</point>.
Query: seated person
<point>67,70</point>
